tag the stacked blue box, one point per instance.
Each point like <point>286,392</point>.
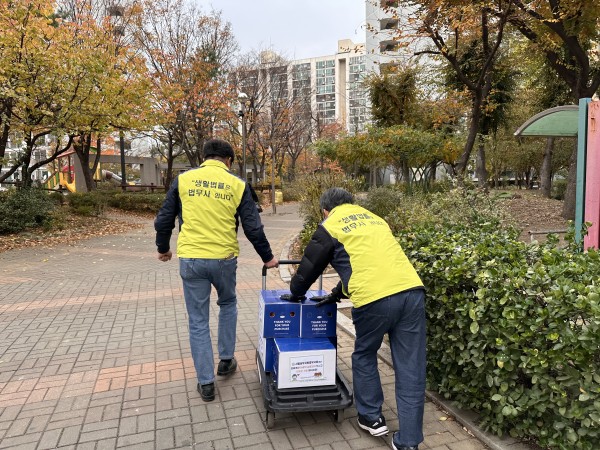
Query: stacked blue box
<point>282,320</point>
<point>276,318</point>
<point>317,321</point>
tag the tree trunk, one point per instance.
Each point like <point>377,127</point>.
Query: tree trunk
<point>292,169</point>
<point>568,211</point>
<point>463,162</point>
<point>4,142</point>
<point>5,121</point>
<point>546,169</point>
<point>82,149</point>
<point>25,160</point>
<point>96,159</point>
<point>170,158</point>
<point>433,171</point>
<point>405,172</point>
<point>373,176</point>
<point>480,168</point>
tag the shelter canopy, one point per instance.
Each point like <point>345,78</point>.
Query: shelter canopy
<point>561,121</point>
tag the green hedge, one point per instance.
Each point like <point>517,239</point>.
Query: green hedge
<point>94,203</point>
<point>87,203</point>
<point>513,330</point>
<point>310,188</point>
<point>26,208</point>
<point>138,201</point>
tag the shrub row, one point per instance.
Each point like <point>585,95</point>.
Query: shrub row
<point>94,203</point>
<point>308,191</point>
<point>26,208</point>
<point>513,330</point>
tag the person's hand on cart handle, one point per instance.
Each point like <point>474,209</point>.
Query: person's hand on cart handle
<point>325,299</point>
<point>292,298</point>
<point>273,263</point>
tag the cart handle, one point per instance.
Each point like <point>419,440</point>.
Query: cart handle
<point>285,261</point>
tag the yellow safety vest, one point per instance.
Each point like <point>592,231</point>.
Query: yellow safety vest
<point>378,265</point>
<point>210,196</point>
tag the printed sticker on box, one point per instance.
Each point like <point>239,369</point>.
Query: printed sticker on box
<point>307,368</point>
<point>300,362</point>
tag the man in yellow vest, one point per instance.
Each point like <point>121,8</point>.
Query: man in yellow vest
<point>387,296</point>
<point>209,202</point>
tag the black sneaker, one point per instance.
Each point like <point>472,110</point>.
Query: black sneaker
<point>403,447</point>
<point>207,391</point>
<point>226,367</point>
<point>376,428</point>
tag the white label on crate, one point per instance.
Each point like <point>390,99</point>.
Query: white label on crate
<point>307,368</point>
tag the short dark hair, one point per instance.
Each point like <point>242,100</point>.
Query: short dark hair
<point>218,147</point>
<point>335,197</point>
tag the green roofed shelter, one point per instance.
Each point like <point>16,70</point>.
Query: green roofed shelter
<point>562,121</point>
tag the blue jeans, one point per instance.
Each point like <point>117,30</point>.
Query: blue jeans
<point>402,317</point>
<point>198,275</point>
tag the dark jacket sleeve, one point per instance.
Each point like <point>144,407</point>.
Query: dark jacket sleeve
<point>318,253</point>
<point>165,219</point>
<point>253,193</point>
<point>253,227</point>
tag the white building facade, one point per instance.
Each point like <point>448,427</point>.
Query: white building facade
<point>334,85</point>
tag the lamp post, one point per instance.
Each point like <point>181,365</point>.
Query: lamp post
<point>122,151</point>
<point>243,98</point>
<point>273,197</point>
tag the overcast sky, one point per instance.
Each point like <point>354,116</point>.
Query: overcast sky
<point>296,29</point>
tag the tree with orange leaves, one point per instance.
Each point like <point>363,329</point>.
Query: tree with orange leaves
<point>188,54</point>
<point>62,77</point>
<point>454,29</point>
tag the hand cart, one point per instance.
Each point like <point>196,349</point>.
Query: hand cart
<point>335,398</point>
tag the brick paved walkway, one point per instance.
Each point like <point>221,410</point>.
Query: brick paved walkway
<point>94,354</point>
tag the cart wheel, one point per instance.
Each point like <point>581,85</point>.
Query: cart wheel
<point>270,420</point>
<point>339,415</point>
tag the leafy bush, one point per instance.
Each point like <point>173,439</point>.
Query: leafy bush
<point>457,206</point>
<point>310,189</point>
<point>146,202</point>
<point>24,208</point>
<point>291,192</point>
<point>94,203</point>
<point>559,187</point>
<point>513,330</point>
<point>87,203</point>
<point>383,200</point>
<point>312,186</point>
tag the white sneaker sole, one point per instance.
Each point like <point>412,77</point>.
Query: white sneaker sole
<point>378,432</point>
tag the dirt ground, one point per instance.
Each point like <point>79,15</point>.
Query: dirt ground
<point>74,229</point>
<point>534,213</point>
<point>529,209</point>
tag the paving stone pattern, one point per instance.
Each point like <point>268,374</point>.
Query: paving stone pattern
<point>94,354</point>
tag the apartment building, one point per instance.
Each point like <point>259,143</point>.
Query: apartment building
<point>388,37</point>
<point>334,82</point>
